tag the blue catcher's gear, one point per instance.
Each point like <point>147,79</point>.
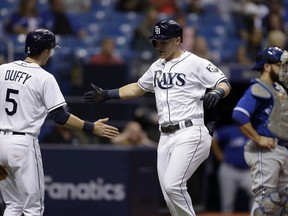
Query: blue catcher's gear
<point>268,202</point>
<point>39,40</point>
<point>167,29</point>
<point>270,55</point>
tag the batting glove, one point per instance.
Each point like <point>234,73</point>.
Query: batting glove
<point>97,95</point>
<point>212,98</point>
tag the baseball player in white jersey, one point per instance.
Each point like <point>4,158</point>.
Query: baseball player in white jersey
<point>179,80</point>
<point>27,94</point>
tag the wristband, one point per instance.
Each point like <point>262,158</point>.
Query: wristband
<point>112,94</point>
<point>88,127</point>
<point>221,92</point>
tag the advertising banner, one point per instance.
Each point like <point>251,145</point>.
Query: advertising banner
<point>100,181</point>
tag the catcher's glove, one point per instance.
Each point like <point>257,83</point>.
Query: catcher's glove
<point>3,173</point>
<point>97,95</point>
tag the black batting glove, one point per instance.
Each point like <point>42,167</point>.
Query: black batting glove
<point>212,98</point>
<point>97,95</point>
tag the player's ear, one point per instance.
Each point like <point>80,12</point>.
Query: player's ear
<point>45,52</point>
<point>267,66</point>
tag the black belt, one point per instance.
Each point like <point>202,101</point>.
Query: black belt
<point>173,128</point>
<point>13,132</point>
<point>283,143</point>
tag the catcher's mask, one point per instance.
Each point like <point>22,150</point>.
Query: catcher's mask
<point>283,74</point>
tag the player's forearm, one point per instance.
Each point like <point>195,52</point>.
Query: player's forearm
<point>130,91</point>
<point>250,132</point>
<point>74,123</point>
<point>225,87</point>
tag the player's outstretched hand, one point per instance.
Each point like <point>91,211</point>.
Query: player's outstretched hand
<point>97,95</point>
<point>212,98</point>
<point>104,130</point>
<point>3,173</point>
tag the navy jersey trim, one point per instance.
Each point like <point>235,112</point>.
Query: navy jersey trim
<point>58,105</point>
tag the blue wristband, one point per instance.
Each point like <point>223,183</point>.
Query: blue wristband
<point>88,127</point>
<point>113,94</point>
<point>221,92</point>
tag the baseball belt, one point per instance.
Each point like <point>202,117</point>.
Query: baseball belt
<point>282,143</point>
<point>12,132</point>
<point>172,128</point>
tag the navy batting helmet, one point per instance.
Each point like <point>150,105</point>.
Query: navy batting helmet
<point>270,55</point>
<point>167,29</point>
<point>39,40</point>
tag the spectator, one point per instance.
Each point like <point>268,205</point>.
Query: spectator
<point>200,47</point>
<point>247,51</point>
<point>140,42</point>
<point>60,22</point>
<point>195,7</point>
<point>247,15</point>
<point>107,54</point>
<point>77,6</point>
<point>146,115</point>
<point>188,32</point>
<point>233,174</point>
<point>165,7</point>
<point>25,19</point>
<point>273,22</point>
<point>61,135</point>
<point>276,18</point>
<point>277,38</point>
<point>133,134</point>
<point>253,13</point>
<point>131,5</point>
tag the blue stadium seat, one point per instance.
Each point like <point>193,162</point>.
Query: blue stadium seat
<point>229,50</point>
<point>130,18</point>
<point>102,5</point>
<point>6,8</point>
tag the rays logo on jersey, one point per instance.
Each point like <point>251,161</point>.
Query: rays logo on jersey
<point>212,68</point>
<point>168,80</point>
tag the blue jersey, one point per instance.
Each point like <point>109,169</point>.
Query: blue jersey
<point>232,142</point>
<point>255,110</point>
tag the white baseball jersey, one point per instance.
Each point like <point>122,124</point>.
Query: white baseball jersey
<point>179,84</point>
<point>27,94</point>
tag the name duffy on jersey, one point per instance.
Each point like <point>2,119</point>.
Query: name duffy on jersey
<point>17,76</point>
<point>168,80</point>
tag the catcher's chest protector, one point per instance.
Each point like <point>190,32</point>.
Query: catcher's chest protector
<point>278,118</point>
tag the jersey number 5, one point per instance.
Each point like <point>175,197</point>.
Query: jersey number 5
<point>11,100</point>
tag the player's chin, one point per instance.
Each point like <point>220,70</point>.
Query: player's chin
<point>162,55</point>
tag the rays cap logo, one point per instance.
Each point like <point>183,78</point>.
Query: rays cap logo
<point>157,30</point>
